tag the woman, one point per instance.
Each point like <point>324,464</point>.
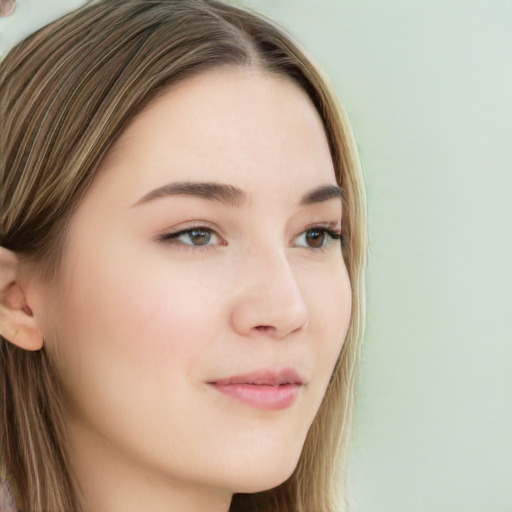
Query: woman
<point>183,250</point>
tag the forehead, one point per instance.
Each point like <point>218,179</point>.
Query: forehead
<point>230,125</point>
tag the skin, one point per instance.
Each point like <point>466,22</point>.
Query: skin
<point>144,325</point>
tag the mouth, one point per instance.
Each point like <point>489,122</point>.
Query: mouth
<point>268,390</point>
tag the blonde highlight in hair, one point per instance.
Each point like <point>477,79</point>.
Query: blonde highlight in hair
<point>66,94</point>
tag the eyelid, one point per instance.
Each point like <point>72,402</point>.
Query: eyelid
<point>334,225</point>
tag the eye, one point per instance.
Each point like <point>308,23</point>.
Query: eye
<point>195,237</point>
<point>317,238</point>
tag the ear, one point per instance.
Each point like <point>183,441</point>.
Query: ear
<point>17,322</point>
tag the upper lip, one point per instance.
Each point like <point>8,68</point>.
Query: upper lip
<point>264,377</point>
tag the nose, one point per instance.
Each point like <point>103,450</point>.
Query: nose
<point>268,299</point>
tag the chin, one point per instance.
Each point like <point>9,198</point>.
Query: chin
<point>259,459</point>
<point>266,476</point>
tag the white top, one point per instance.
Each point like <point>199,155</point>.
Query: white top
<point>7,503</point>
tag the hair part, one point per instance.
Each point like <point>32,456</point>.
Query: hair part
<point>66,94</point>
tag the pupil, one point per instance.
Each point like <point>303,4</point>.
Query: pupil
<point>200,237</point>
<point>315,239</point>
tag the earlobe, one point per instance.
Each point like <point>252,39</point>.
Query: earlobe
<point>17,322</point>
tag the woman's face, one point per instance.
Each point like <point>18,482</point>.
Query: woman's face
<point>206,299</point>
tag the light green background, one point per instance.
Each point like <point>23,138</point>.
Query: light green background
<point>427,86</point>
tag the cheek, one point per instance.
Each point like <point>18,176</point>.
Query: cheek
<point>139,315</point>
<point>330,321</point>
<point>328,295</point>
<point>129,332</point>
<point>131,351</point>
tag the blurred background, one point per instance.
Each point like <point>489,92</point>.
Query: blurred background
<point>428,88</point>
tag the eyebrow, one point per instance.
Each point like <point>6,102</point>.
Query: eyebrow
<point>322,194</point>
<point>233,196</point>
<point>227,194</point>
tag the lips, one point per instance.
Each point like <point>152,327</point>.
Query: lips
<point>263,389</point>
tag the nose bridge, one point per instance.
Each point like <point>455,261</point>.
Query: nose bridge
<point>270,299</point>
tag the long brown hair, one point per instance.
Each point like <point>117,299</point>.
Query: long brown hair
<point>66,94</point>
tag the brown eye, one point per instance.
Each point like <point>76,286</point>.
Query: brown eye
<point>315,238</point>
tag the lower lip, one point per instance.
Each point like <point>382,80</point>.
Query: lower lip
<point>267,398</point>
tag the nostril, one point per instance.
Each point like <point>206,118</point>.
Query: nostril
<point>265,329</point>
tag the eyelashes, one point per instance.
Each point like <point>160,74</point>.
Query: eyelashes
<point>315,238</point>
<point>198,236</point>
